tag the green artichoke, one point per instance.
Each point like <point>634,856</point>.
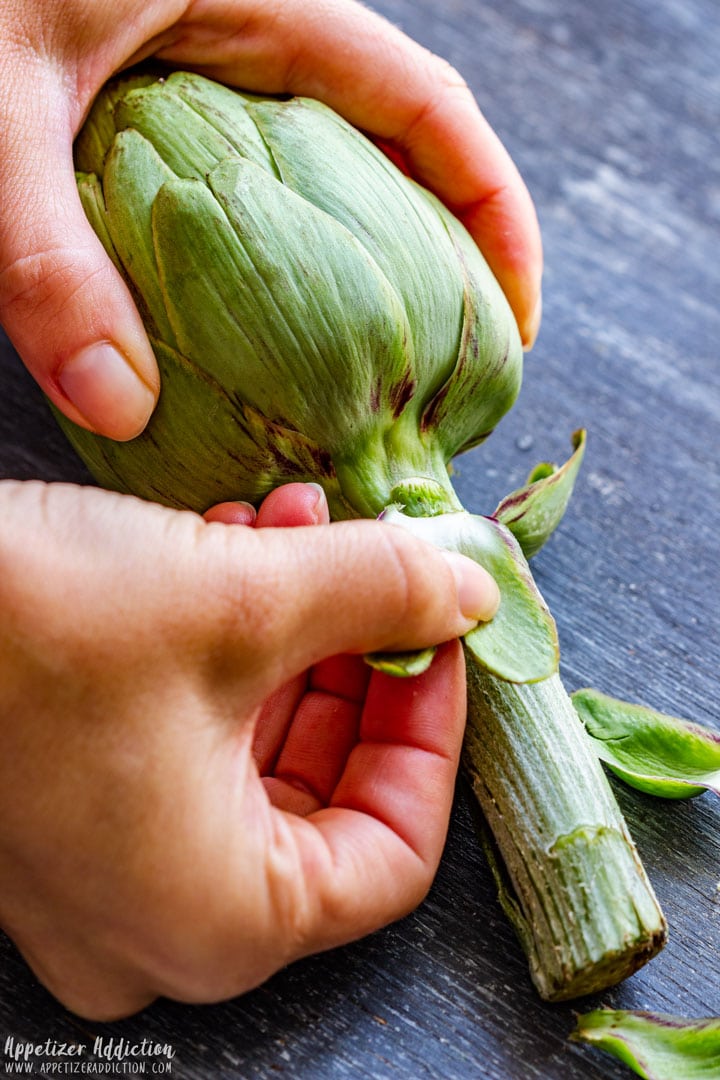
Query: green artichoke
<point>315,315</point>
<point>318,316</point>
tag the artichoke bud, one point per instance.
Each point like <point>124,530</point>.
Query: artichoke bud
<point>311,295</point>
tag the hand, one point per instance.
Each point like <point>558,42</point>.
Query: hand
<point>195,789</point>
<point>62,302</point>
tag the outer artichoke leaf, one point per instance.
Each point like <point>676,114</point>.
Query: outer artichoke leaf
<point>336,168</point>
<point>488,372</point>
<point>182,137</point>
<point>134,174</point>
<point>211,449</point>
<point>295,322</point>
<point>659,754</point>
<point>187,140</point>
<point>533,512</point>
<point>97,133</point>
<point>226,111</point>
<point>93,203</point>
<point>520,643</point>
<point>655,1045</point>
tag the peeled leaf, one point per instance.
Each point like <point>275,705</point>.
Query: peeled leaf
<point>402,665</point>
<point>533,512</point>
<point>659,754</point>
<point>520,642</point>
<point>655,1046</point>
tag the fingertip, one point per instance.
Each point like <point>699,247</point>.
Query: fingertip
<point>478,595</point>
<point>232,513</point>
<point>107,390</point>
<point>294,504</point>
<point>530,328</point>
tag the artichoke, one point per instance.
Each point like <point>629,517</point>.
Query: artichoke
<point>331,317</point>
<point>318,316</point>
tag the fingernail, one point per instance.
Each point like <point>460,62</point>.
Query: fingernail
<point>107,391</point>
<point>321,501</point>
<point>533,327</point>
<point>478,594</point>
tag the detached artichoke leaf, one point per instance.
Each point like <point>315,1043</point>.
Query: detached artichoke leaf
<point>656,1046</point>
<point>401,665</point>
<point>659,754</point>
<point>519,644</point>
<point>533,512</point>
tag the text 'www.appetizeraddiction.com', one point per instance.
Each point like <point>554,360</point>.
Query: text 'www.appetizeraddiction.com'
<point>101,1057</point>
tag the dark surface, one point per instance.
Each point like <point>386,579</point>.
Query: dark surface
<point>612,111</point>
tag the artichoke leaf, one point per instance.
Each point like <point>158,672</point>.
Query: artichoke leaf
<point>181,117</point>
<point>656,1046</point>
<point>519,644</point>
<point>655,753</point>
<point>98,132</point>
<point>490,354</point>
<point>402,665</point>
<point>212,450</point>
<point>327,161</point>
<point>134,174</point>
<point>533,512</point>
<point>93,203</point>
<point>294,321</point>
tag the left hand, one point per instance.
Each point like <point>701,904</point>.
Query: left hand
<point>62,302</point>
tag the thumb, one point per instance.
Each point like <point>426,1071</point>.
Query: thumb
<point>63,304</point>
<point>311,592</point>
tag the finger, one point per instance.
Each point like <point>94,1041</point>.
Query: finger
<point>346,676</point>
<point>274,721</point>
<point>371,857</point>
<point>391,87</point>
<point>62,302</point>
<point>323,732</point>
<point>291,504</point>
<point>290,598</point>
<point>294,504</point>
<point>232,513</point>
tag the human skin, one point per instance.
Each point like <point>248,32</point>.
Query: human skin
<point>201,780</point>
<point>193,789</point>
<point>63,303</point>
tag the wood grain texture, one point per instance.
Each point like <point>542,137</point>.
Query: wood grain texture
<point>612,112</point>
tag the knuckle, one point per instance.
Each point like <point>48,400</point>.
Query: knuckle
<point>447,76</point>
<point>39,284</point>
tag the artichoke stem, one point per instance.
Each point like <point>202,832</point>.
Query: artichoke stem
<point>568,873</point>
<point>370,478</point>
<point>569,876</point>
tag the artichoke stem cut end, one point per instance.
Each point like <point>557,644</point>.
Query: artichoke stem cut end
<point>420,496</point>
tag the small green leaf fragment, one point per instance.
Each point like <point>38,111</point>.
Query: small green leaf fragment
<point>533,512</point>
<point>402,665</point>
<point>659,754</point>
<point>656,1046</point>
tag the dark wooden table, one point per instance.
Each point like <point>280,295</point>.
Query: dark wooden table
<point>612,111</point>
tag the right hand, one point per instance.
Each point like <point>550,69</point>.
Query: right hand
<point>194,789</point>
